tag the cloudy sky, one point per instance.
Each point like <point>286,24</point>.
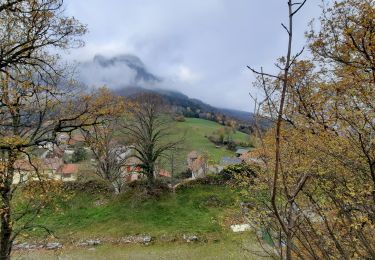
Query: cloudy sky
<point>198,47</point>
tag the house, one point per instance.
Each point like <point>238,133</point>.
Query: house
<point>23,171</point>
<point>199,167</point>
<point>191,157</point>
<point>198,164</point>
<point>47,168</point>
<point>241,151</point>
<point>226,161</point>
<point>164,173</point>
<point>132,170</point>
<point>51,165</point>
<point>67,172</point>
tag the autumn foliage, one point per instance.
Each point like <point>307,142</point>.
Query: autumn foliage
<point>325,190</point>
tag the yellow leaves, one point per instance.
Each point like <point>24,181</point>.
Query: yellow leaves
<point>12,141</point>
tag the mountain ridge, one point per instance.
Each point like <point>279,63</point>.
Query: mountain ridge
<point>194,107</point>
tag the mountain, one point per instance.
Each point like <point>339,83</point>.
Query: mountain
<point>132,61</point>
<point>188,106</point>
<point>128,76</point>
<point>117,71</point>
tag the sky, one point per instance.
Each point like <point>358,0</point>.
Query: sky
<point>198,47</point>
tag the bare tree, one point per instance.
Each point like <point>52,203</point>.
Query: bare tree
<point>109,154</point>
<point>287,223</point>
<point>149,128</point>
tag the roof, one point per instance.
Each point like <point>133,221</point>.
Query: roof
<point>23,165</point>
<point>78,138</point>
<point>230,161</point>
<point>242,151</point>
<point>165,173</point>
<point>132,161</point>
<point>68,169</point>
<point>52,163</point>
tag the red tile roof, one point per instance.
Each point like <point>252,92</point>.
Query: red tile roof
<point>165,173</point>
<point>23,165</point>
<point>68,169</point>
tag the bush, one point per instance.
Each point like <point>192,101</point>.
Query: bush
<point>159,187</point>
<point>239,172</point>
<point>231,145</point>
<point>210,179</point>
<point>185,174</point>
<point>79,154</point>
<point>214,140</point>
<point>179,118</point>
<point>92,186</point>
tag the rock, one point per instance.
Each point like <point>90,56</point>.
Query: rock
<point>240,228</point>
<point>53,246</point>
<point>167,238</point>
<point>22,246</point>
<point>26,246</point>
<point>126,240</point>
<point>100,203</point>
<point>90,242</point>
<point>190,238</point>
<point>147,240</point>
<point>93,242</point>
<point>92,249</point>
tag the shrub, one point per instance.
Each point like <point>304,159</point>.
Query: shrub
<point>91,186</point>
<point>179,118</point>
<point>231,145</point>
<point>210,179</point>
<point>79,154</point>
<point>159,187</point>
<point>185,174</point>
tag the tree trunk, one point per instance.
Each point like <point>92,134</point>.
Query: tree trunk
<point>150,175</point>
<point>288,254</point>
<point>6,229</point>
<point>6,221</point>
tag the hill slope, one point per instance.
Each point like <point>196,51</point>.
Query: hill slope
<point>197,130</point>
<point>206,211</point>
<point>188,106</point>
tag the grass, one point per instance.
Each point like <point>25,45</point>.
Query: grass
<point>196,130</point>
<point>198,210</point>
<point>229,249</point>
<point>203,210</point>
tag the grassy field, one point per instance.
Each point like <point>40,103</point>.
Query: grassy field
<point>203,210</point>
<point>238,248</point>
<point>198,210</point>
<point>195,131</point>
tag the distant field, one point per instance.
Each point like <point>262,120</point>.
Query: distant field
<point>195,130</point>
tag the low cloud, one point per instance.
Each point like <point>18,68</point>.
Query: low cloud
<point>116,72</point>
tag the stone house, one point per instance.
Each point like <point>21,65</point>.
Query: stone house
<point>132,171</point>
<point>67,172</point>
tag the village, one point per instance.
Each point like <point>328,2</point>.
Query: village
<point>69,158</point>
